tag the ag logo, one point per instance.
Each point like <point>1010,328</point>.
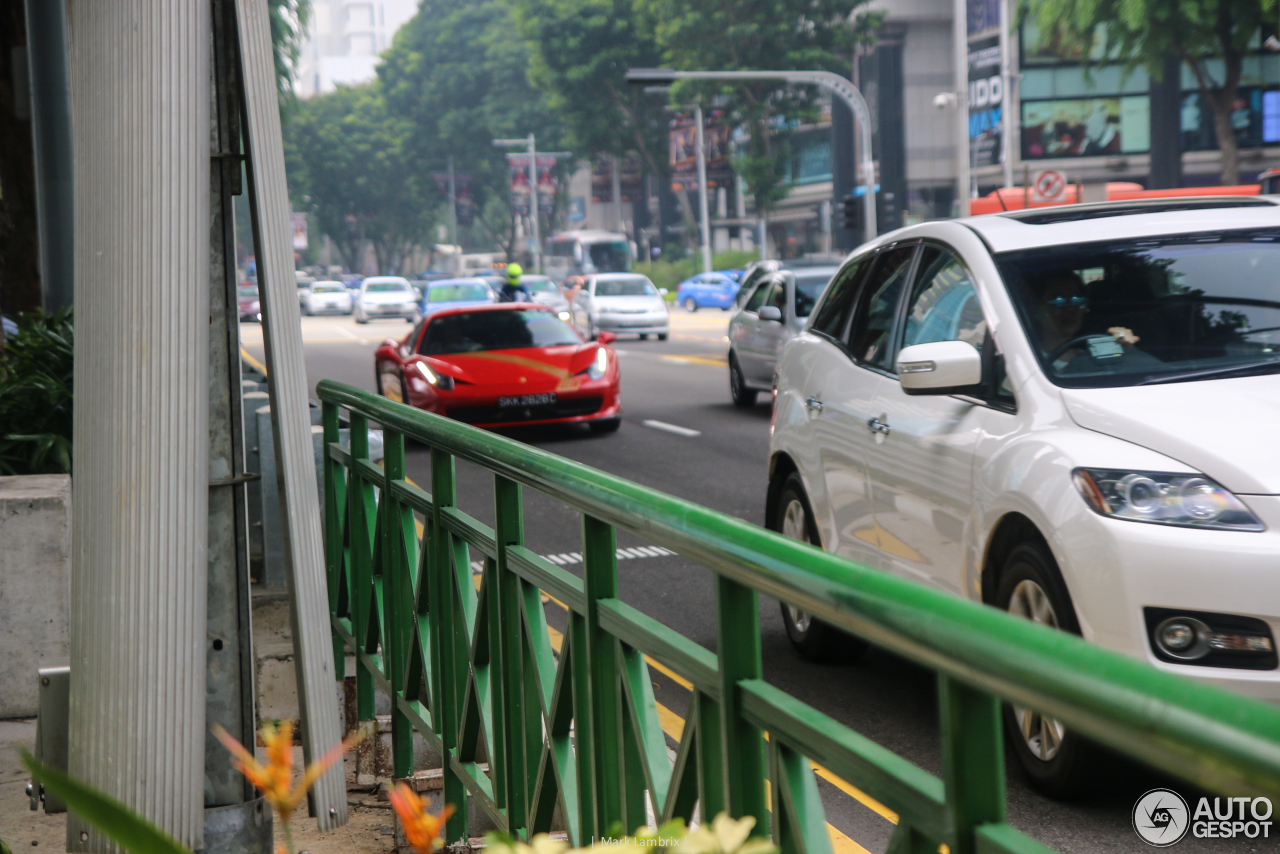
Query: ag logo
<point>1161,818</point>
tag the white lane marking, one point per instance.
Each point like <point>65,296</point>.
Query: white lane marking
<point>567,558</point>
<point>676,360</point>
<point>346,332</point>
<point>672,428</point>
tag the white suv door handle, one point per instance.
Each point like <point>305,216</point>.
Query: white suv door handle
<point>813,403</point>
<point>875,425</point>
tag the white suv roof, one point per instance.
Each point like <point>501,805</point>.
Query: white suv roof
<point>1055,226</point>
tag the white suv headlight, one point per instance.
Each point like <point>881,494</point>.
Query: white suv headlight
<point>1186,500</point>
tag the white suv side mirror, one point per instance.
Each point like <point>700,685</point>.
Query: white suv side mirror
<point>769,312</point>
<point>939,367</point>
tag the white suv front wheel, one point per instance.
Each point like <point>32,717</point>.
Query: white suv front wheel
<point>1059,762</point>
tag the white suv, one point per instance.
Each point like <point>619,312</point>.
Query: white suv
<point>1071,413</point>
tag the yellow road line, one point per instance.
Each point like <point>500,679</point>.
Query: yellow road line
<point>248,357</point>
<point>701,360</point>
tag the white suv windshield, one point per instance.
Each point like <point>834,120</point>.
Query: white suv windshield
<point>1162,309</point>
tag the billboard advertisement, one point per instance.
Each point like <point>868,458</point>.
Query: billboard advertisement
<point>630,178</point>
<point>986,101</point>
<point>683,144</point>
<point>1085,127</point>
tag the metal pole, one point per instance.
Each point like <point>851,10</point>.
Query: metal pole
<point>291,420</point>
<point>140,86</point>
<point>832,82</point>
<point>453,207</point>
<point>963,152</point>
<point>533,205</point>
<point>51,129</point>
<point>1006,97</point>
<point>702,192</point>
<point>615,188</point>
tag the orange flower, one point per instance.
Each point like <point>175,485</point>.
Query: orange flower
<point>273,778</point>
<point>421,828</point>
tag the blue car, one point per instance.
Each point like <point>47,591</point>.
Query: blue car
<point>708,290</point>
<point>455,293</point>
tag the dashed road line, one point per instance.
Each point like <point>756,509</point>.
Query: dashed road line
<point>672,428</point>
<point>685,359</point>
<point>570,558</point>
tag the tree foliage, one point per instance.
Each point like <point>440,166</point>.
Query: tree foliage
<point>1144,32</point>
<point>36,371</point>
<point>457,73</point>
<point>289,20</point>
<point>732,35</point>
<point>351,163</point>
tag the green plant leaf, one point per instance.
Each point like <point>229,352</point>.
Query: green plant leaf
<point>124,826</point>
<point>5,849</point>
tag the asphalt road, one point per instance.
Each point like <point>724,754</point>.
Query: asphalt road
<point>682,383</point>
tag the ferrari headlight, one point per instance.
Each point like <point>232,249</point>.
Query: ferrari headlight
<point>565,316</point>
<point>441,382</point>
<point>1187,500</point>
<point>599,364</point>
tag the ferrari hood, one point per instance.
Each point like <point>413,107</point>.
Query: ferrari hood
<point>532,366</point>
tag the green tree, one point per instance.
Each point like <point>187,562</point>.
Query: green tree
<point>289,20</point>
<point>1143,32</point>
<point>733,35</point>
<point>457,74</point>
<point>350,163</point>
<point>580,51</point>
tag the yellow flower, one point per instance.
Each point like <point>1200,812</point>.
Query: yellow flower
<point>421,828</point>
<point>725,836</point>
<point>273,777</point>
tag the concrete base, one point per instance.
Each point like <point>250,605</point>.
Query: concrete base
<point>35,585</point>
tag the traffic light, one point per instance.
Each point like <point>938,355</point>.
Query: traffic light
<point>850,214</point>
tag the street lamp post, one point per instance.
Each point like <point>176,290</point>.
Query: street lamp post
<point>833,83</point>
<point>532,148</point>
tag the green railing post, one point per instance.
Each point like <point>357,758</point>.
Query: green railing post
<point>398,598</point>
<point>508,705</point>
<point>332,529</point>
<point>362,526</point>
<point>446,702</point>
<point>972,761</point>
<point>584,743</point>
<point>738,647</point>
<point>600,581</point>
<point>710,747</point>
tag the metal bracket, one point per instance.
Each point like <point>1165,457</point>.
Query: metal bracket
<point>236,480</point>
<point>52,732</point>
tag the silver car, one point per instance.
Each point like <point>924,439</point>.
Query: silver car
<point>764,319</point>
<point>546,292</point>
<point>622,303</point>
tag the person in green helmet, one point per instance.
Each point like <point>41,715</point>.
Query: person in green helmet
<point>512,289</point>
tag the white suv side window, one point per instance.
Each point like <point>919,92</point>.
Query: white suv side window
<point>944,306</point>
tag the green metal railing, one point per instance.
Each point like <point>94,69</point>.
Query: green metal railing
<point>474,672</point>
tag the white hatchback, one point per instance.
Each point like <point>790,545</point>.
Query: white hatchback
<point>1070,413</point>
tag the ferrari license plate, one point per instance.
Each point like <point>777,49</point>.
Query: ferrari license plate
<point>528,399</point>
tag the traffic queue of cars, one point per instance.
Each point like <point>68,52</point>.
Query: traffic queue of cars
<point>1064,413</point>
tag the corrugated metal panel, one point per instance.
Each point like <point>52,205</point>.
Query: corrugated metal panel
<point>140,94</point>
<point>304,550</point>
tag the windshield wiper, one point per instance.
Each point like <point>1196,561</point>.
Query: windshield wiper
<point>1212,372</point>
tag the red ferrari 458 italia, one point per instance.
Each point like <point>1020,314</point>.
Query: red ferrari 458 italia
<point>503,365</point>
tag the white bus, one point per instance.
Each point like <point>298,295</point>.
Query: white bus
<point>585,253</point>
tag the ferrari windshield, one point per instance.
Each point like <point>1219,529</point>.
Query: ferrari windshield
<point>632,286</point>
<point>1151,310</point>
<point>476,331</point>
<point>459,293</point>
